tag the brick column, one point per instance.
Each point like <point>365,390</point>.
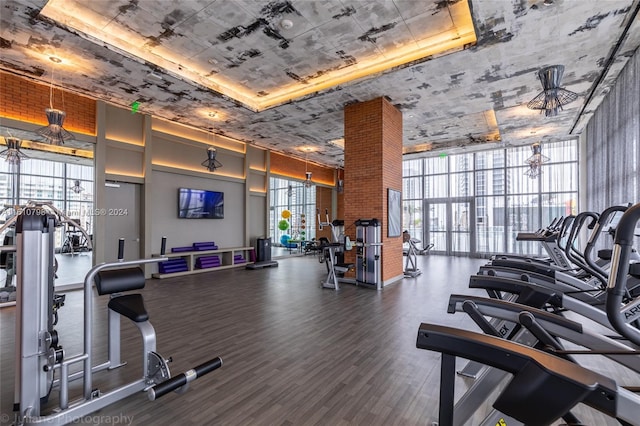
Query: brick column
<point>372,164</point>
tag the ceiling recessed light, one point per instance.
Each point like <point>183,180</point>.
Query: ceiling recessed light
<point>338,142</point>
<point>286,24</point>
<point>55,59</point>
<point>547,2</point>
<point>154,76</point>
<point>213,114</point>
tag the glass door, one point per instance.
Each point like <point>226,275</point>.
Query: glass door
<point>460,229</point>
<point>436,230</point>
<point>449,226</point>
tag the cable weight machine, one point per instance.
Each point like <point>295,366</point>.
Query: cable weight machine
<point>333,252</point>
<point>368,253</point>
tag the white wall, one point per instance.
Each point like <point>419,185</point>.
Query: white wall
<point>227,232</point>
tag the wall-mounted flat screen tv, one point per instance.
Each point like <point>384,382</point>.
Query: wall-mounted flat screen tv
<point>200,204</point>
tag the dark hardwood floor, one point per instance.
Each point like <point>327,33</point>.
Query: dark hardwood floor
<point>294,353</point>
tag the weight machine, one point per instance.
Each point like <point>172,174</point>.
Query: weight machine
<point>75,240</point>
<point>39,355</point>
<point>7,257</point>
<point>368,253</point>
<point>333,252</point>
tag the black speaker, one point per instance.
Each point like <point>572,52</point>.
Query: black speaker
<point>263,249</point>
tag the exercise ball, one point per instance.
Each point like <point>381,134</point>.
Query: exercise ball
<point>286,214</point>
<point>284,240</point>
<point>283,225</point>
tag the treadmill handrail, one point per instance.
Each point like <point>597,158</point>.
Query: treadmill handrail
<point>591,388</point>
<point>621,315</point>
<point>505,354</point>
<point>604,218</point>
<point>570,250</point>
<point>556,325</point>
<point>515,308</point>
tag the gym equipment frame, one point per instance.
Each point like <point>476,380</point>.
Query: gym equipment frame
<point>38,353</point>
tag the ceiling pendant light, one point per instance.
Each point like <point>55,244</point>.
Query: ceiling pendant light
<point>211,163</point>
<point>339,179</point>
<point>12,154</point>
<point>552,97</point>
<point>54,133</point>
<point>535,161</point>
<point>307,182</point>
<point>76,187</point>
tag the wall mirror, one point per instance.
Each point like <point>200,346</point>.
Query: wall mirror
<point>62,175</point>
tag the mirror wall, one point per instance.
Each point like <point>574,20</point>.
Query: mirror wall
<point>62,175</point>
<point>292,216</point>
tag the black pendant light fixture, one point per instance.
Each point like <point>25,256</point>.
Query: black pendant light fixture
<point>553,97</point>
<point>535,161</point>
<point>54,133</point>
<point>12,154</point>
<point>308,183</point>
<point>77,188</point>
<point>211,163</point>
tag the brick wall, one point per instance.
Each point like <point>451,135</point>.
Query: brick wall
<point>24,100</point>
<point>373,163</point>
<point>323,201</point>
<point>392,261</point>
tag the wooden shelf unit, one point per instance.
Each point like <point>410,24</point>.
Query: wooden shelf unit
<point>226,260</point>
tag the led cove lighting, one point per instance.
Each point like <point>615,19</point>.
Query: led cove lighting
<point>89,24</point>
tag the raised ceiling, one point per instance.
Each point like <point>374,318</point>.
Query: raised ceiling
<point>279,73</point>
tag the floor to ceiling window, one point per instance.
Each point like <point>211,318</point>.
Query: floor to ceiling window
<point>300,202</point>
<point>69,187</point>
<point>476,203</point>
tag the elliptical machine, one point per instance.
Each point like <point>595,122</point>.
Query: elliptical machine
<point>39,354</point>
<point>411,264</point>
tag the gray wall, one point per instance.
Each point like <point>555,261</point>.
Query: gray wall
<point>227,232</point>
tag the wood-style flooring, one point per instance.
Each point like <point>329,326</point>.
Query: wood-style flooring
<point>294,353</point>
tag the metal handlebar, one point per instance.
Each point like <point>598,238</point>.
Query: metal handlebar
<point>182,379</point>
<point>621,315</point>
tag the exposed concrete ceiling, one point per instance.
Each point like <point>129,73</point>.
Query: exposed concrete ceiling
<point>182,60</point>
